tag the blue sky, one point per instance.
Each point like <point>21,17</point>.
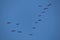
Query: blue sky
<point>25,12</point>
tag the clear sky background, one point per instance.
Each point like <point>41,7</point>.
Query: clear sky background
<point>25,12</point>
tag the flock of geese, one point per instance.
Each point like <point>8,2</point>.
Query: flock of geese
<point>44,9</point>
